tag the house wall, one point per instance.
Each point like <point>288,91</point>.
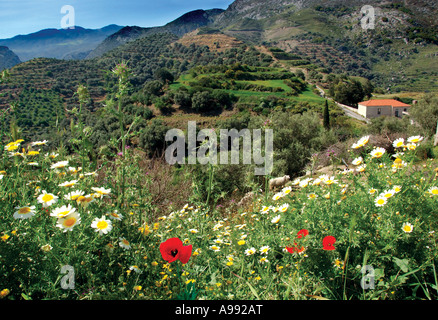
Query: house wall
<point>400,111</point>
<point>375,111</point>
<point>362,110</point>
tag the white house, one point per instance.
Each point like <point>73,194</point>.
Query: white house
<point>382,107</point>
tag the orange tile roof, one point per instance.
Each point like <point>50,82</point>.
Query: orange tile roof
<point>384,102</point>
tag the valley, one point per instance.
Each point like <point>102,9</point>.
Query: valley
<point>89,117</point>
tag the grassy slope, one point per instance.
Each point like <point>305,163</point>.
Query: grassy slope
<point>254,97</point>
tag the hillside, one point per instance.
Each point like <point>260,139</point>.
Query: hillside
<point>397,55</point>
<point>321,42</point>
<point>8,59</point>
<point>184,24</point>
<point>214,41</point>
<point>329,34</point>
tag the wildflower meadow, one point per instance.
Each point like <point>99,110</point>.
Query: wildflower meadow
<point>310,239</point>
<point>72,228</point>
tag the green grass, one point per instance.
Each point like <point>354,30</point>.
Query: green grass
<point>310,96</point>
<point>254,97</point>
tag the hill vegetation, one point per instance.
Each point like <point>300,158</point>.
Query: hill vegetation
<point>86,181</point>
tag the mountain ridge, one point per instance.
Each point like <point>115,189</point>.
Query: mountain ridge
<point>186,23</point>
<point>8,58</point>
<point>57,43</point>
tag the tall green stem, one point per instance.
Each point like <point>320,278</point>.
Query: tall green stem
<point>210,184</point>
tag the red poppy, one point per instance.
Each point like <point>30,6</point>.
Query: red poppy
<point>295,249</point>
<point>328,243</point>
<point>302,233</point>
<point>173,249</point>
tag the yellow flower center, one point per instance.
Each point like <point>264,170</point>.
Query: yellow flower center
<point>24,210</point>
<point>69,222</point>
<point>102,224</point>
<point>47,197</point>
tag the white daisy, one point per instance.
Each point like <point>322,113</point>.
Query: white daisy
<point>47,199</point>
<point>115,215</point>
<point>283,207</point>
<point>433,190</point>
<point>59,164</point>
<point>68,184</point>
<point>74,195</point>
<point>399,143</point>
<point>296,182</point>
<point>264,249</point>
<point>357,161</point>
<point>305,182</point>
<point>380,201</point>
<point>330,180</point>
<point>124,243</point>
<point>102,191</point>
<point>85,200</point>
<point>250,251</point>
<point>415,139</point>
<point>63,211</point>
<point>24,212</point>
<point>276,219</point>
<point>102,225</point>
<point>265,209</point>
<point>135,269</point>
<point>364,140</point>
<point>407,227</point>
<point>286,190</point>
<point>215,248</point>
<point>311,196</point>
<point>38,143</point>
<point>68,222</point>
<point>377,152</point>
<point>387,193</point>
<point>278,195</point>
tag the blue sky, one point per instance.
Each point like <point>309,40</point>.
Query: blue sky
<point>27,16</point>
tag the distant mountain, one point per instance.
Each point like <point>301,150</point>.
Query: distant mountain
<point>8,58</point>
<point>180,26</point>
<point>398,53</point>
<point>424,10</point>
<point>58,43</point>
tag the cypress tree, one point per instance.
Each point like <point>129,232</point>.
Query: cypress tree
<point>326,116</point>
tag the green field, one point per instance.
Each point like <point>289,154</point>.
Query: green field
<point>251,97</point>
